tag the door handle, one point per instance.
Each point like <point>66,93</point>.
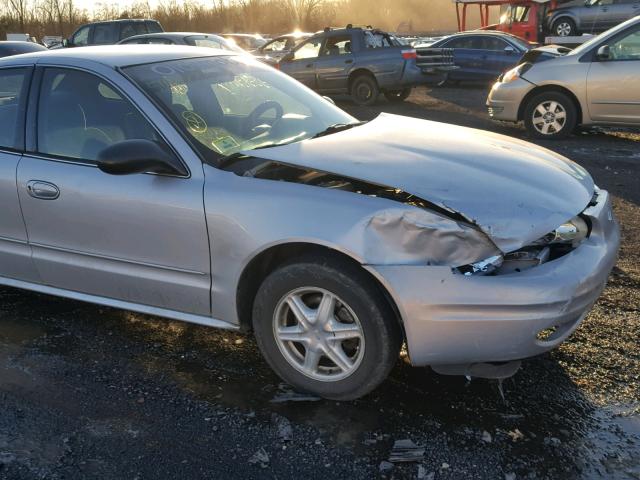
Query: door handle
<point>348,61</point>
<point>309,65</point>
<point>42,190</point>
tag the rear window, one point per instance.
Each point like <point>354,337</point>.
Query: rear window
<point>374,39</point>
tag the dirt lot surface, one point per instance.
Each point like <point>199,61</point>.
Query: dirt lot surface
<point>91,392</point>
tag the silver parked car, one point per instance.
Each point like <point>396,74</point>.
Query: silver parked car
<point>590,16</point>
<point>595,84</point>
<point>204,186</point>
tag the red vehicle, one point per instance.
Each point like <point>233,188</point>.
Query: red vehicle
<point>523,18</point>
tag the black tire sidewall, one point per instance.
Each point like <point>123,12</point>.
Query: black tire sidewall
<point>567,104</point>
<point>373,86</point>
<point>381,332</point>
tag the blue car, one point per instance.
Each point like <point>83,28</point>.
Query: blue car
<point>481,55</point>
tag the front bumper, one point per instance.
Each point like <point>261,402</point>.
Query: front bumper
<point>504,99</point>
<point>452,319</point>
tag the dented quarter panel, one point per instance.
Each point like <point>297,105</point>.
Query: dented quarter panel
<point>515,191</point>
<point>246,216</point>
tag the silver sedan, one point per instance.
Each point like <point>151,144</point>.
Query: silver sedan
<point>203,186</point>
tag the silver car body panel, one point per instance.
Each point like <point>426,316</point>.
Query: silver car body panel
<point>185,242</point>
<point>451,167</point>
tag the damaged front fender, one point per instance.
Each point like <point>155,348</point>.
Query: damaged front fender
<point>411,236</point>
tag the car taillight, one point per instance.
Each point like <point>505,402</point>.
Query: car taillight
<point>409,54</point>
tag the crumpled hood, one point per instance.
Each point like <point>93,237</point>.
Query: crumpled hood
<point>514,191</point>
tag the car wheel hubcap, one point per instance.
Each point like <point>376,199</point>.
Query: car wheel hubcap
<point>318,334</point>
<point>549,117</point>
<point>564,29</point>
<point>363,92</point>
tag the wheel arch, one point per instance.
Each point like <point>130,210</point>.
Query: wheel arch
<point>269,259</point>
<point>361,71</point>
<point>550,88</point>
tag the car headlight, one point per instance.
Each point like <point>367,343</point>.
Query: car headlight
<point>515,73</point>
<point>572,233</point>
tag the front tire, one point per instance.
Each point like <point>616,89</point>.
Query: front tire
<point>550,115</point>
<point>365,90</point>
<point>324,327</point>
<point>564,27</point>
<point>396,96</point>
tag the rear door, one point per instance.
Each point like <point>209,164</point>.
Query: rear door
<point>613,89</point>
<point>137,238</point>
<point>334,63</point>
<point>15,254</point>
<point>302,65</point>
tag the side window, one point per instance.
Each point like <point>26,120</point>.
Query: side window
<point>310,49</point>
<point>495,44</point>
<point>275,46</point>
<point>153,27</point>
<point>338,45</point>
<point>159,41</point>
<point>129,29</point>
<point>81,37</point>
<point>461,42</point>
<point>627,48</point>
<point>104,34</point>
<point>79,115</point>
<point>12,92</point>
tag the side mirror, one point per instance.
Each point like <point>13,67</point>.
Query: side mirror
<point>288,57</point>
<point>138,156</point>
<point>66,43</point>
<point>603,53</point>
<point>509,50</point>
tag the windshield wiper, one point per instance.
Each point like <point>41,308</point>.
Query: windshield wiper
<point>232,157</point>
<point>337,127</point>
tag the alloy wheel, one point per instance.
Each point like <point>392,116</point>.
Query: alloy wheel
<point>318,334</point>
<point>549,117</point>
<point>563,29</point>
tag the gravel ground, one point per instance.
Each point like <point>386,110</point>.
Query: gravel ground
<point>91,392</point>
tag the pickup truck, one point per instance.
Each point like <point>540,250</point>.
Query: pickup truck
<point>361,62</point>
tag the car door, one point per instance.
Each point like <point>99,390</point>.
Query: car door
<point>468,56</point>
<point>334,64</point>
<point>500,56</point>
<point>613,89</point>
<point>137,238</point>
<point>15,254</point>
<point>302,64</point>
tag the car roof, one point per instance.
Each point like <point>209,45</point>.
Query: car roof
<point>114,56</point>
<point>123,20</point>
<point>173,35</point>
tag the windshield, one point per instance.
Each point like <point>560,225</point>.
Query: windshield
<point>609,33</point>
<point>229,104</point>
